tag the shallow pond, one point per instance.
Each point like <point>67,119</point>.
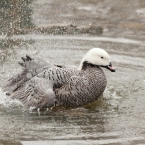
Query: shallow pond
<point>117,118</point>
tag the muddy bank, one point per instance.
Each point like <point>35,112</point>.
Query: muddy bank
<point>112,17</point>
<point>71,30</point>
<point>116,18</point>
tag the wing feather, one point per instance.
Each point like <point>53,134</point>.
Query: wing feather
<point>38,93</point>
<point>31,67</point>
<point>82,88</point>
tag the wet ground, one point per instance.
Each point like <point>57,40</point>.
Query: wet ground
<point>116,118</point>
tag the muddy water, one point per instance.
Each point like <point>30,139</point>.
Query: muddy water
<point>117,118</point>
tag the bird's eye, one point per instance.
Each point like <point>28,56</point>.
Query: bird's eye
<point>102,57</point>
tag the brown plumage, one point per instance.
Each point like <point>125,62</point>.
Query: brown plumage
<point>42,84</point>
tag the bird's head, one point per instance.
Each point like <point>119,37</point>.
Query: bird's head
<point>97,57</point>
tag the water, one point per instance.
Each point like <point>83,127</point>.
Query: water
<point>118,117</point>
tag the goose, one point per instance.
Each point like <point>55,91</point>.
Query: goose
<point>44,85</point>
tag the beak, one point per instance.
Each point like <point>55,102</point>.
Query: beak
<point>110,67</point>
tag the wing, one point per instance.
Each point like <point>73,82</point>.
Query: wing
<point>73,93</point>
<point>31,68</point>
<point>83,88</point>
<point>37,92</point>
<point>34,86</point>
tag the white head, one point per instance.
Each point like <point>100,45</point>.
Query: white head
<point>97,57</point>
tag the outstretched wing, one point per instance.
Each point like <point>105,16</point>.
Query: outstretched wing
<point>37,92</point>
<point>31,68</point>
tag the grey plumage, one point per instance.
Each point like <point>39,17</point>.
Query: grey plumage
<point>42,84</point>
<point>31,68</point>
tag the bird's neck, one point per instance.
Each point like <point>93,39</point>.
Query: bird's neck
<point>81,65</point>
<point>84,65</point>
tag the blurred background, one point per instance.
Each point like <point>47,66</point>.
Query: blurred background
<point>111,17</point>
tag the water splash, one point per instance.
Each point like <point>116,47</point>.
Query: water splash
<point>90,38</point>
<point>7,102</point>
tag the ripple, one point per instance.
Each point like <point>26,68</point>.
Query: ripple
<point>7,102</point>
<point>86,142</point>
<point>90,38</point>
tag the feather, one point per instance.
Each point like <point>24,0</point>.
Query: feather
<point>37,92</point>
